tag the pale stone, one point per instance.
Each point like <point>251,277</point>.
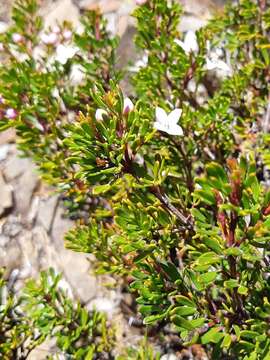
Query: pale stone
<point>15,166</point>
<point>104,6</point>
<point>103,305</point>
<point>46,212</point>
<point>5,195</point>
<point>60,11</point>
<point>4,151</point>
<point>7,136</point>
<point>27,184</point>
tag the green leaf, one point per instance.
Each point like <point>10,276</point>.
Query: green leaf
<point>187,324</point>
<point>183,310</point>
<point>227,340</point>
<point>213,335</point>
<point>232,283</point>
<point>207,277</point>
<point>242,290</point>
<point>101,189</point>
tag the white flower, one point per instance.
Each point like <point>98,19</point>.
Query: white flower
<point>214,63</point>
<point>17,38</point>
<point>100,114</point>
<point>190,42</point>
<point>168,122</point>
<point>49,39</point>
<point>64,53</point>
<point>128,106</point>
<point>77,74</point>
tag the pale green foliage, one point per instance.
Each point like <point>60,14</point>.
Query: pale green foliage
<point>42,311</point>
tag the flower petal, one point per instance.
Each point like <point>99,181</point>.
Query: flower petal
<point>174,116</point>
<point>191,41</point>
<point>161,115</point>
<point>175,130</point>
<point>159,126</point>
<point>182,45</point>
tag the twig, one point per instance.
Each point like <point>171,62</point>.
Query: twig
<point>156,190</point>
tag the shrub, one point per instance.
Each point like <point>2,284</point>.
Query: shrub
<point>43,311</point>
<point>176,180</point>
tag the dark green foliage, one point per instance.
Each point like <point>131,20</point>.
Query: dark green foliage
<point>182,214</point>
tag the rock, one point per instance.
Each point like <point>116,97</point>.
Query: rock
<point>3,241</point>
<point>103,305</point>
<point>104,6</point>
<point>27,184</point>
<point>10,255</point>
<point>45,350</point>
<point>46,212</point>
<point>7,136</point>
<point>46,255</point>
<point>60,11</point>
<point>12,226</point>
<point>6,196</point>
<point>15,166</point>
<point>191,23</point>
<point>4,151</point>
<point>60,226</point>
<point>122,25</point>
<point>75,268</point>
<point>32,213</point>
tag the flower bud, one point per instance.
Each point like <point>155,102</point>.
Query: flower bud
<point>49,39</point>
<point>67,34</point>
<point>17,38</point>
<point>100,113</point>
<point>11,113</point>
<point>56,29</point>
<point>128,106</point>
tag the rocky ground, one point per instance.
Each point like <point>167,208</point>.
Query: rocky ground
<point>32,221</point>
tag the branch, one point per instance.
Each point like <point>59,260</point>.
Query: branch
<point>155,190</point>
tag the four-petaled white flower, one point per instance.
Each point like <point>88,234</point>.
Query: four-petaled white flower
<point>190,42</point>
<point>64,53</point>
<point>128,106</point>
<point>77,74</point>
<point>168,122</point>
<point>214,63</point>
